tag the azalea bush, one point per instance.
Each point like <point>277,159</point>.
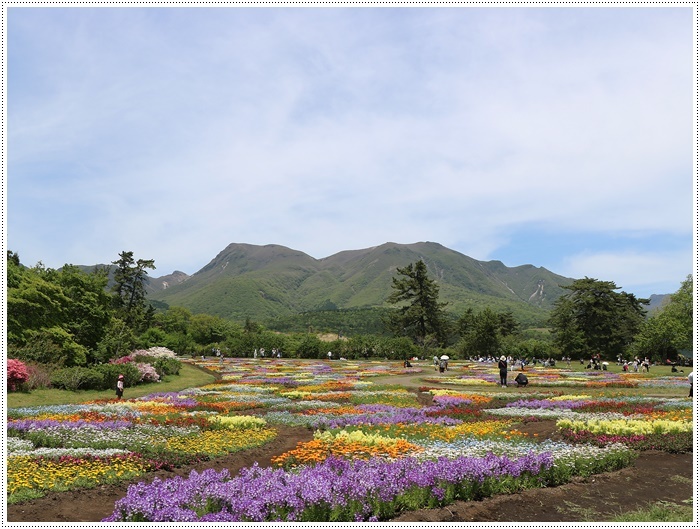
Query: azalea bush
<point>17,374</point>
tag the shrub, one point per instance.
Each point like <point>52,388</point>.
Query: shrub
<point>167,366</point>
<point>111,372</point>
<point>148,372</point>
<point>17,374</point>
<point>75,378</point>
<point>39,376</point>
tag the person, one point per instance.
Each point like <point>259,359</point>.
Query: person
<point>521,380</point>
<point>120,386</point>
<point>442,365</point>
<point>435,362</point>
<point>690,379</point>
<point>503,371</point>
<point>330,355</point>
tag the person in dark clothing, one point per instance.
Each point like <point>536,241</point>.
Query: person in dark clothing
<point>503,371</point>
<point>521,380</point>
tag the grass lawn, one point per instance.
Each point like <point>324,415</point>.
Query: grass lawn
<point>189,377</point>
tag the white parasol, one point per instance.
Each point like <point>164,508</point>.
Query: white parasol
<point>444,357</point>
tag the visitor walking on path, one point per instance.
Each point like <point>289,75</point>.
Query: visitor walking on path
<point>690,379</point>
<point>503,371</point>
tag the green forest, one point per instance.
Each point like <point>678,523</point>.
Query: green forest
<point>71,318</point>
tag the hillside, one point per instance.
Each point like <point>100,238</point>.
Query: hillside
<point>272,281</point>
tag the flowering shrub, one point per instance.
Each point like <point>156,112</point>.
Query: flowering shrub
<point>17,374</point>
<point>148,373</point>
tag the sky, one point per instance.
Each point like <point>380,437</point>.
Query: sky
<point>560,137</point>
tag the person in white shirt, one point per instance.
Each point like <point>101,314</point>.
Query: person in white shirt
<point>690,379</point>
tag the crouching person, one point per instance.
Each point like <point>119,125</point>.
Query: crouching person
<point>521,380</point>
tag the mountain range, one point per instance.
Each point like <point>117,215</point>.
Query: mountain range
<point>273,281</point>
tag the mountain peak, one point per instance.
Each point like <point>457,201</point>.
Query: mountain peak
<point>273,280</point>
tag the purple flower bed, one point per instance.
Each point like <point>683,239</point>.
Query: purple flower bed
<point>25,425</point>
<point>336,489</point>
<point>446,401</point>
<point>170,398</point>
<point>382,414</point>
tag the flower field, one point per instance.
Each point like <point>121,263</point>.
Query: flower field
<point>376,450</point>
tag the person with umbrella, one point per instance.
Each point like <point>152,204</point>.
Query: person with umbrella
<point>443,363</point>
<point>503,371</point>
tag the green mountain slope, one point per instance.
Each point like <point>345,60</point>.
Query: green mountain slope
<point>272,281</point>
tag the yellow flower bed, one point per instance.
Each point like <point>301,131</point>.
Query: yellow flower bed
<point>27,473</point>
<point>217,443</point>
<point>571,397</point>
<point>478,429</point>
<point>626,426</point>
<point>239,422</point>
<point>449,433</point>
<point>357,436</point>
<point>296,394</point>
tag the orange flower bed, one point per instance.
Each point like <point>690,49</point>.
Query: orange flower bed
<point>328,396</point>
<point>316,451</point>
<point>331,385</point>
<point>343,410</point>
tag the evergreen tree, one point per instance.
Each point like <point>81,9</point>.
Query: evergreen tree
<point>421,316</point>
<point>484,333</point>
<point>130,290</point>
<point>592,318</point>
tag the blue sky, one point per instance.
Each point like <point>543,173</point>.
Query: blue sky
<point>558,137</point>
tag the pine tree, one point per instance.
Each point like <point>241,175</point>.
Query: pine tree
<point>594,319</point>
<point>130,290</point>
<point>421,315</point>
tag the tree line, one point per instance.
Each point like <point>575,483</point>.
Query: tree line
<point>71,318</point>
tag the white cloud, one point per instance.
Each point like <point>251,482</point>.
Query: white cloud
<point>174,132</point>
<point>639,272</point>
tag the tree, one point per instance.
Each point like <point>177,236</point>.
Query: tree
<point>422,316</point>
<point>130,291</point>
<point>484,333</point>
<point>593,318</point>
<point>89,312</point>
<point>680,312</point>
<point>670,330</point>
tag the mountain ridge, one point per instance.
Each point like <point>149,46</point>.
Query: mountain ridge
<point>268,281</point>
